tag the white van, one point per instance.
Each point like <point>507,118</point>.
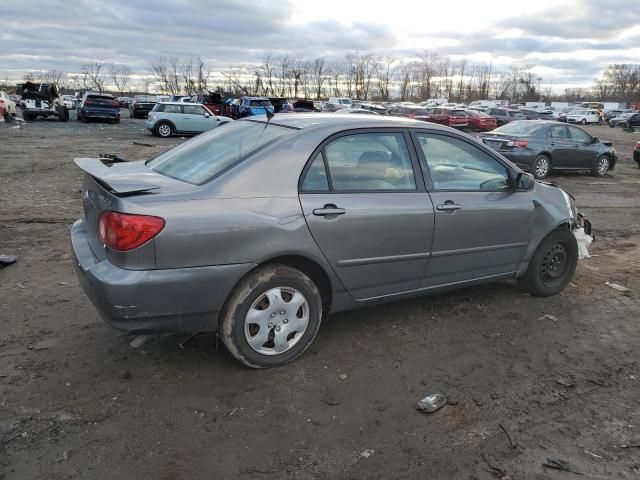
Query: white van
<point>338,103</point>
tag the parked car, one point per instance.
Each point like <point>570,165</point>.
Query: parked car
<point>531,114</point>
<point>281,105</point>
<point>69,101</point>
<point>357,111</point>
<point>142,105</point>
<point>583,117</point>
<point>629,120</point>
<point>181,98</point>
<point>636,153</point>
<point>15,98</point>
<point>8,105</point>
<point>620,120</point>
<point>211,100</point>
<point>480,121</point>
<point>251,106</point>
<point>305,105</point>
<point>505,115</point>
<point>99,106</point>
<point>206,237</point>
<point>336,103</point>
<point>609,114</point>
<point>125,102</point>
<point>540,146</point>
<point>451,117</point>
<point>167,119</point>
<point>414,112</point>
<point>373,107</point>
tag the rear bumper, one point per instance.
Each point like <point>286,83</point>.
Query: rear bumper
<point>148,301</point>
<point>101,113</point>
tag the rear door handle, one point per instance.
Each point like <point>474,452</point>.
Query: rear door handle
<point>329,210</point>
<point>448,206</point>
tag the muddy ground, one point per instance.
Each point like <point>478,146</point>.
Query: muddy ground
<point>76,401</point>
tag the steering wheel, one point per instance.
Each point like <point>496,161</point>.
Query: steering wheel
<point>493,184</point>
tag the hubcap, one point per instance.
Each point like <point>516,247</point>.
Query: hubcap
<point>542,167</point>
<point>554,264</point>
<point>603,166</point>
<point>164,130</point>
<point>276,321</point>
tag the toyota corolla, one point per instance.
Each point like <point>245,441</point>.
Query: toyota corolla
<point>263,228</point>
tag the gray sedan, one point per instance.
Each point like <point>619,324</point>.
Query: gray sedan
<point>262,228</point>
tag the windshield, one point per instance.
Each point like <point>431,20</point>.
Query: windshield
<point>201,159</point>
<point>345,101</point>
<point>518,128</point>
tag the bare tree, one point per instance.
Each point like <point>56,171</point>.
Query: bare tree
<point>94,74</point>
<point>120,76</point>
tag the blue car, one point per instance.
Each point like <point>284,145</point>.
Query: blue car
<point>168,118</point>
<point>250,106</point>
<point>101,106</point>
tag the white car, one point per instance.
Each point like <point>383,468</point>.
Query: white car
<point>69,101</point>
<point>8,104</point>
<point>583,117</point>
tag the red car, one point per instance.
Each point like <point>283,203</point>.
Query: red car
<point>451,117</point>
<point>211,100</point>
<point>636,153</point>
<point>481,122</point>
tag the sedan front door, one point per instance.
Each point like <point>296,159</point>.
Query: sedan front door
<point>194,118</point>
<point>585,152</point>
<point>365,203</point>
<point>482,225</point>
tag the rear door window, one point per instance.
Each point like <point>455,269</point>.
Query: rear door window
<point>370,162</point>
<point>171,108</point>
<point>193,110</point>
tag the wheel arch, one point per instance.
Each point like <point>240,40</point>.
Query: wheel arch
<point>533,246</point>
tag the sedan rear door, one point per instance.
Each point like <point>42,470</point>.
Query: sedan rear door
<point>482,225</point>
<point>364,201</point>
<point>561,146</point>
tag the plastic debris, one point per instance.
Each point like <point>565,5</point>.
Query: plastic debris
<point>431,403</point>
<point>7,260</point>
<point>139,341</point>
<point>366,453</point>
<point>616,286</point>
<point>584,241</point>
<point>342,376</point>
<point>553,318</point>
<point>557,464</point>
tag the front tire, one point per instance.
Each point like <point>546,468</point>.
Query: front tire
<point>164,130</point>
<point>541,167</point>
<point>602,166</point>
<point>584,121</point>
<point>553,264</point>
<point>271,317</point>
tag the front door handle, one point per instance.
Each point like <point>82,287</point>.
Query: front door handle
<point>448,206</point>
<point>329,210</point>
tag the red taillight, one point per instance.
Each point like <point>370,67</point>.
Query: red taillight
<point>124,232</point>
<point>518,143</point>
<point>637,146</point>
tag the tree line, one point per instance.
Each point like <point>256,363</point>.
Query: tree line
<point>364,76</point>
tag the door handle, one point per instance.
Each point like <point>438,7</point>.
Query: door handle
<point>552,143</point>
<point>448,206</point>
<point>329,210</point>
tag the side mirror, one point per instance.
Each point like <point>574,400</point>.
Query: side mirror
<point>207,115</point>
<point>525,181</point>
<point>595,140</point>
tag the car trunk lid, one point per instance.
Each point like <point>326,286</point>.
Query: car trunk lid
<point>115,187</point>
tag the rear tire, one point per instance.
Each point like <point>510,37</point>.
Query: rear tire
<point>273,308</point>
<point>584,121</point>
<point>164,129</point>
<point>553,264</point>
<point>541,167</point>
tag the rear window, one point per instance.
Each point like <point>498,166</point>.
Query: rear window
<point>201,159</point>
<point>516,114</point>
<point>518,128</point>
<point>100,97</point>
<point>146,98</point>
<point>475,113</point>
<point>459,113</point>
<point>260,103</point>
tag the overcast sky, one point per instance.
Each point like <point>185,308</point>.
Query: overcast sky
<point>570,42</point>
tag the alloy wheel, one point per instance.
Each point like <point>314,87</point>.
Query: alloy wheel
<point>603,166</point>
<point>164,130</point>
<point>276,321</point>
<point>542,167</point>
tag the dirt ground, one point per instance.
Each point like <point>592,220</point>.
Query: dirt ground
<point>76,401</point>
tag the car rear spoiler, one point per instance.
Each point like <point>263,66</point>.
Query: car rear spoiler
<point>115,180</point>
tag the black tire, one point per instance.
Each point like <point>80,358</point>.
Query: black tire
<point>603,165</point>
<point>250,290</point>
<point>627,125</point>
<point>553,264</point>
<point>164,129</point>
<point>63,114</point>
<point>584,121</point>
<point>26,117</point>
<point>539,171</point>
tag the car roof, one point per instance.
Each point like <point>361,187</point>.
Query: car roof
<point>309,120</point>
